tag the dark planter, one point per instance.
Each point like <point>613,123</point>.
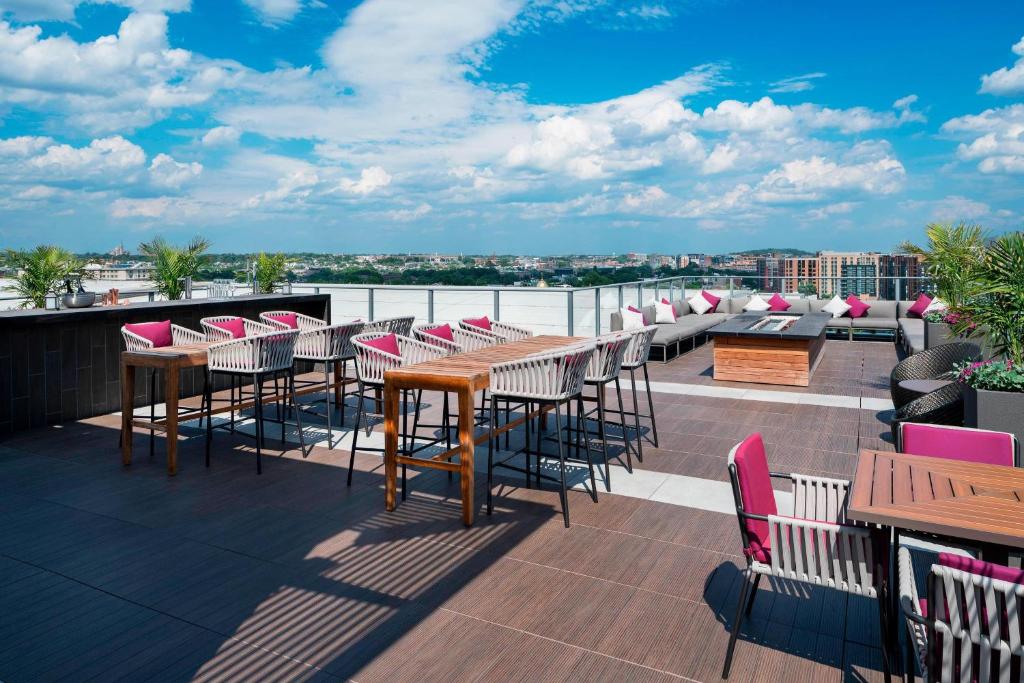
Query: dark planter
<point>1002,411</point>
<point>936,334</point>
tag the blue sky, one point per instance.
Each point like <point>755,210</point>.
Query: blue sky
<point>526,126</point>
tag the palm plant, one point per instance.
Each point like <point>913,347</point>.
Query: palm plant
<point>171,264</point>
<point>951,259</point>
<point>269,272</point>
<point>994,305</point>
<point>43,271</point>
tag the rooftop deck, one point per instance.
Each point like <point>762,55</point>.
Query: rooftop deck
<point>220,573</point>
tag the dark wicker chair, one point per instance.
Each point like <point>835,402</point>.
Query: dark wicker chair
<point>943,406</point>
<point>934,363</point>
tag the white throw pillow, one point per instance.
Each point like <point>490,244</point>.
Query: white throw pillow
<point>699,304</point>
<point>937,304</point>
<point>664,313</point>
<point>631,320</point>
<point>756,304</point>
<point>837,307</point>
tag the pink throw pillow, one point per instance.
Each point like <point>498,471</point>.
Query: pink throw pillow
<point>917,310</point>
<point>236,326</point>
<point>711,299</point>
<point>157,333</point>
<point>483,323</point>
<point>858,309</point>
<point>778,304</point>
<point>441,331</point>
<point>388,344</point>
<point>637,310</point>
<point>289,319</point>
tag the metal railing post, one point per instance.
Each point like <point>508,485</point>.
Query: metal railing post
<point>640,294</point>
<point>497,304</point>
<point>430,306</point>
<point>621,300</point>
<point>369,303</point>
<point>730,287</point>
<point>898,288</point>
<point>569,292</point>
<point>597,311</point>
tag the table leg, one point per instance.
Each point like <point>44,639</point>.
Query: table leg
<point>337,386</point>
<point>466,447</point>
<point>390,444</point>
<point>171,390</point>
<point>127,410</point>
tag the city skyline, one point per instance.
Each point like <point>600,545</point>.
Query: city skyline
<point>506,126</point>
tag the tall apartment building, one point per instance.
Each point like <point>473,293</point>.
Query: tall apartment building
<point>770,270</point>
<point>900,276</point>
<point>798,272</point>
<point>848,272</point>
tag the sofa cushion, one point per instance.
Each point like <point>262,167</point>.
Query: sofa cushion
<point>858,309</point>
<point>700,305</point>
<point>158,333</point>
<point>836,306</point>
<point>682,308</point>
<point>844,323</point>
<point>734,305</point>
<point>869,323</point>
<point>799,306</point>
<point>918,308</point>
<point>664,312</point>
<point>712,299</point>
<point>757,304</point>
<point>667,334</point>
<point>912,330</point>
<point>882,309</point>
<point>631,319</point>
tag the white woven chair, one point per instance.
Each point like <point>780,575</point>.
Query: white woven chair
<point>505,332</point>
<point>547,379</point>
<point>371,364</point>
<point>465,340</point>
<point>320,342</point>
<point>400,326</point>
<point>218,334</point>
<point>815,545</point>
<point>257,358</point>
<point>972,628</point>
<point>635,359</point>
<point>603,370</point>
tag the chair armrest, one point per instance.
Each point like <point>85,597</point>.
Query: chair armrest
<point>308,322</point>
<point>253,328</point>
<point>415,351</point>
<point>183,335</point>
<point>133,342</point>
<point>820,498</point>
<point>510,332</point>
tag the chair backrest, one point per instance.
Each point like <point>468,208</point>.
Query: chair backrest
<point>327,342</point>
<point>258,353</point>
<point>451,339</point>
<point>753,494</point>
<point>139,336</point>
<point>959,443</point>
<point>549,376</point>
<point>639,347</point>
<point>606,362</point>
<point>224,327</point>
<point>374,353</point>
<point>400,326</point>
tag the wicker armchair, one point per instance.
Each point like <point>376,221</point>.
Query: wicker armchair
<point>943,406</point>
<point>635,359</point>
<point>935,363</point>
<point>505,332</point>
<point>464,340</point>
<point>219,334</point>
<point>401,326</point>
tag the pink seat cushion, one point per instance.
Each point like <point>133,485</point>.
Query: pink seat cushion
<point>236,326</point>
<point>917,310</point>
<point>981,568</point>
<point>958,443</point>
<point>441,331</point>
<point>634,309</point>
<point>289,319</point>
<point>483,323</point>
<point>157,333</point>
<point>858,309</point>
<point>778,304</point>
<point>711,299</point>
<point>757,494</point>
<point>388,344</point>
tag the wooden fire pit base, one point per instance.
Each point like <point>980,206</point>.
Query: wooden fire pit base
<point>744,353</point>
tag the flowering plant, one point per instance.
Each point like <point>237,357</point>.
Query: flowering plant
<point>950,318</point>
<point>992,375</point>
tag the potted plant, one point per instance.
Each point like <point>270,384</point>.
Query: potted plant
<point>268,273</point>
<point>42,272</point>
<point>938,328</point>
<point>993,311</point>
<point>171,265</point>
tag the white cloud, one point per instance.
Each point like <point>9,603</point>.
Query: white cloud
<point>164,171</point>
<point>997,138</point>
<point>64,10</point>
<point>100,156</point>
<point>24,146</point>
<point>221,136</point>
<point>298,184</point>
<point>1006,81</point>
<point>370,180</point>
<point>722,158</point>
<point>767,117</point>
<point>565,143</point>
<point>831,210</point>
<point>273,12</point>
<point>800,83</point>
<point>166,208</point>
<point>809,179</point>
<point>646,198</point>
<point>407,215</point>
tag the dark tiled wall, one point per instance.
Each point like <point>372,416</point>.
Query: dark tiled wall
<point>62,366</point>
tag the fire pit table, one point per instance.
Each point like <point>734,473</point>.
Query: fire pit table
<point>769,348</point>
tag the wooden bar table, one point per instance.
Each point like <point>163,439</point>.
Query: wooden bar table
<point>172,360</point>
<point>463,374</point>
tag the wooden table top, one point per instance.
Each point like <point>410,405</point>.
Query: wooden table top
<point>473,368</point>
<point>186,355</point>
<point>954,498</point>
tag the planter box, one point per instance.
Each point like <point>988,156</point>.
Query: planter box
<point>937,334</point>
<point>1002,411</point>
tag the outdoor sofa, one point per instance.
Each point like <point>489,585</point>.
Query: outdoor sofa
<point>690,329</point>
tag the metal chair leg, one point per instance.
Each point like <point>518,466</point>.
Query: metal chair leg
<point>603,435</point>
<point>753,593</point>
<point>650,406</point>
<point>327,388</point>
<point>446,425</point>
<point>526,443</point>
<point>234,381</point>
<point>737,620</point>
<point>152,411</point>
<point>298,413</point>
<point>490,455</point>
<point>636,418</point>
<point>355,432</point>
<point>586,441</point>
<point>208,390</point>
<point>561,462</point>
<point>344,386</point>
<point>257,384</point>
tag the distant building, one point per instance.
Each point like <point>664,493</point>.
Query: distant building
<point>900,276</point>
<point>118,271</point>
<point>837,274</point>
<point>119,251</point>
<point>770,271</point>
<point>799,272</point>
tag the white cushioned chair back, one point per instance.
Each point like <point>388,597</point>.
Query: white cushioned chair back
<point>401,325</point>
<point>639,346</point>
<point>256,354</point>
<point>329,342</point>
<point>215,334</point>
<point>606,362</point>
<point>551,376</point>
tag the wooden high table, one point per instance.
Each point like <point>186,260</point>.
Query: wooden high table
<point>172,360</point>
<point>463,374</point>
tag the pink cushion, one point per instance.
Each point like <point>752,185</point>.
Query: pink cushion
<point>289,319</point>
<point>483,323</point>
<point>757,494</point>
<point>711,299</point>
<point>442,331</point>
<point>388,344</point>
<point>637,310</point>
<point>778,304</point>
<point>157,333</point>
<point>858,309</point>
<point>917,310</point>
<point>236,326</point>
<point>675,313</point>
<point>971,445</point>
<point>992,571</point>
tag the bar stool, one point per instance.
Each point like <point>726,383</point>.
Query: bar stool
<point>635,359</point>
<point>257,357</point>
<point>376,353</point>
<point>319,342</point>
<point>603,370</point>
<point>505,332</point>
<point>220,328</point>
<point>553,379</point>
<point>153,335</point>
